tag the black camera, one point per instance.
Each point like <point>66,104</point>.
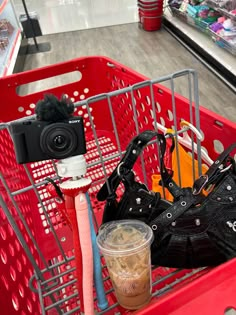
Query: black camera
<point>36,140</point>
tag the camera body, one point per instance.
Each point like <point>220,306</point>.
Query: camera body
<point>36,140</point>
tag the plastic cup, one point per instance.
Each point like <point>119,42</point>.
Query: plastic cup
<point>125,245</point>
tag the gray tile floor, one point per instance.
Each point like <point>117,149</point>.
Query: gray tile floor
<point>58,16</point>
<point>153,54</point>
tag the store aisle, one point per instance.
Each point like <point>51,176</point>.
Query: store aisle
<point>57,16</point>
<point>151,53</point>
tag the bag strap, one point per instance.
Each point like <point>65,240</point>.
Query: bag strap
<point>174,211</point>
<point>126,164</point>
<point>210,177</point>
<point>212,173</point>
<point>191,197</point>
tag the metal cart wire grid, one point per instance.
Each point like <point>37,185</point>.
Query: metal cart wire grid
<point>36,247</point>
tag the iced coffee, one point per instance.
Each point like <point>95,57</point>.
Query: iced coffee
<point>126,247</point>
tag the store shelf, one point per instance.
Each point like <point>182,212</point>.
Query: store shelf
<point>10,35</point>
<point>12,53</point>
<point>223,11</point>
<point>227,14</point>
<point>195,22</point>
<point>218,59</point>
<point>222,42</point>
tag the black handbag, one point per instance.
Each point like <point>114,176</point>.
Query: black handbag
<point>193,231</point>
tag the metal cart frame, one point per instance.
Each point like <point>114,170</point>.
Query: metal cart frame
<point>36,252</point>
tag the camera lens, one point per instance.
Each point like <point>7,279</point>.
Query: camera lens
<point>58,140</point>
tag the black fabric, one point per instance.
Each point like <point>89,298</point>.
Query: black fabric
<point>127,162</point>
<point>193,231</point>
<point>202,235</point>
<point>137,203</point>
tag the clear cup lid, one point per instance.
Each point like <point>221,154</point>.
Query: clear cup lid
<point>124,237</point>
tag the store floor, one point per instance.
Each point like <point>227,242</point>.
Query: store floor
<point>153,54</point>
<point>56,16</point>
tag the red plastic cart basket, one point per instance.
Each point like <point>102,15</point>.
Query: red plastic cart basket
<point>36,247</point>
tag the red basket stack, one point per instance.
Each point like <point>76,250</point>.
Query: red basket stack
<point>150,14</point>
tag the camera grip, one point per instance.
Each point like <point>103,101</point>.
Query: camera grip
<point>20,147</point>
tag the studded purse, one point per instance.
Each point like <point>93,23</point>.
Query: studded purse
<point>196,230</point>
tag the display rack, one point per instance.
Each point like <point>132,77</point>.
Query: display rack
<point>223,43</point>
<point>205,27</point>
<point>220,40</point>
<point>195,22</point>
<point>10,37</point>
<point>219,60</point>
<point>223,11</point>
<point>189,15</point>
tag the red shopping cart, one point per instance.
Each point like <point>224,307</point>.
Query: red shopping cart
<point>36,247</point>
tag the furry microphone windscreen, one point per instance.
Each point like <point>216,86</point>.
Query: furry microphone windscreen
<point>52,110</point>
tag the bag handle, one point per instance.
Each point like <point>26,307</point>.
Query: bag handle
<point>191,197</point>
<point>210,177</point>
<point>173,212</point>
<point>126,164</point>
<point>212,173</point>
